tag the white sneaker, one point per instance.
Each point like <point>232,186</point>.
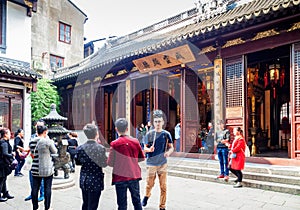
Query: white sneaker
<point>238,184</point>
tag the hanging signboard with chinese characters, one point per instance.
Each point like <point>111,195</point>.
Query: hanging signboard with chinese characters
<point>165,59</point>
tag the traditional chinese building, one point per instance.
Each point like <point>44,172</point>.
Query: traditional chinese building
<point>17,79</point>
<point>240,63</point>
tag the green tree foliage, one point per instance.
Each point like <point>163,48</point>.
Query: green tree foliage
<point>41,100</point>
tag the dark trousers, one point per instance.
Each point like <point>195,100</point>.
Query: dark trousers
<point>72,162</point>
<point>90,199</point>
<point>36,183</point>
<point>3,188</point>
<point>237,173</point>
<point>134,189</point>
<point>31,184</point>
<point>19,166</point>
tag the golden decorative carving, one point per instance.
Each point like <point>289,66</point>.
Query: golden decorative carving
<point>97,79</point>
<point>69,87</point>
<point>28,3</point>
<point>233,42</point>
<point>207,50</point>
<point>87,82</point>
<point>121,72</point>
<point>13,92</point>
<point>296,26</point>
<point>265,34</point>
<point>134,69</point>
<point>28,85</point>
<point>110,75</point>
<point>77,84</point>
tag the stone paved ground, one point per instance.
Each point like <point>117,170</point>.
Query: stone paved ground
<point>182,194</point>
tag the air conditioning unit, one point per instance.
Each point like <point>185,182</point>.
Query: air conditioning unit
<point>37,65</point>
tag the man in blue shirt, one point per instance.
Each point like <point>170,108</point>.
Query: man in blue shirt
<point>158,146</point>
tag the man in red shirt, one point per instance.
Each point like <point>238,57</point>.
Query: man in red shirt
<point>124,155</point>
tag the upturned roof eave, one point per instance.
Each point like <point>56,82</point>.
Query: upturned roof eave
<point>240,14</point>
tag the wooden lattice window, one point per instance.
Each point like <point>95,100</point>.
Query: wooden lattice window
<point>234,83</point>
<point>297,79</point>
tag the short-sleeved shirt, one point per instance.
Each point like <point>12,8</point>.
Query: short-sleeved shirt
<point>162,139</point>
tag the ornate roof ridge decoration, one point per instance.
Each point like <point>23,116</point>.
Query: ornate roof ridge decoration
<point>109,75</point>
<point>97,79</point>
<point>17,68</point>
<point>121,72</point>
<point>87,81</point>
<point>265,34</point>
<point>243,13</point>
<point>233,42</point>
<point>207,50</point>
<point>296,26</point>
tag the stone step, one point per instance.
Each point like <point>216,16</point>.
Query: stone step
<point>59,182</point>
<point>63,185</point>
<point>247,174</point>
<point>278,187</point>
<point>254,168</point>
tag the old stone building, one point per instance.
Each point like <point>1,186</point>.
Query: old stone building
<point>57,35</point>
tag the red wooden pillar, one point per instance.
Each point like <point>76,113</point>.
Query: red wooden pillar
<point>161,94</point>
<point>120,101</point>
<point>189,110</point>
<point>99,111</point>
<point>294,145</point>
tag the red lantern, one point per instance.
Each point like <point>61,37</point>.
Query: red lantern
<point>266,79</point>
<point>203,88</point>
<point>282,75</point>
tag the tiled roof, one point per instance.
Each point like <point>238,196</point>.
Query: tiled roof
<point>58,130</point>
<point>17,68</point>
<point>145,45</point>
<point>53,116</point>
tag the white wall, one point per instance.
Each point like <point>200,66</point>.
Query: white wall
<point>18,33</point>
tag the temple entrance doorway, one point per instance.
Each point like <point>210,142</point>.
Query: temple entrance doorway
<point>156,92</point>
<point>268,102</point>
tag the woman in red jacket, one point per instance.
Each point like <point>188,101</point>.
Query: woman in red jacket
<point>237,156</point>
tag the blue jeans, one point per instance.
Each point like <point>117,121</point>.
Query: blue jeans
<point>178,145</point>
<point>134,188</point>
<point>223,160</point>
<point>90,199</point>
<point>36,183</point>
<point>20,165</point>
